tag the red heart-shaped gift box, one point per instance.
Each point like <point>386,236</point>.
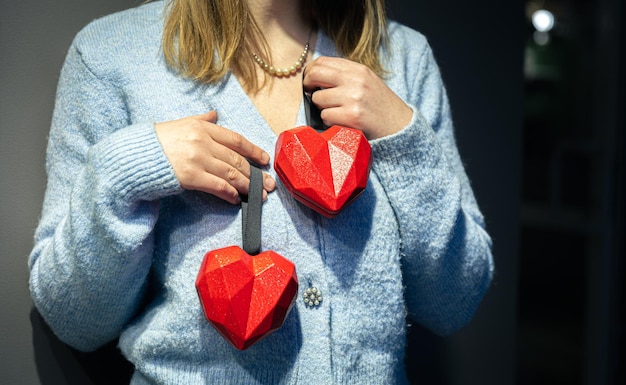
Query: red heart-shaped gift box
<point>246,297</point>
<point>325,171</point>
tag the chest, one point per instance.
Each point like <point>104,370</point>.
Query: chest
<point>279,102</point>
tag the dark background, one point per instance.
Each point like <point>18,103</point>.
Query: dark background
<point>539,126</point>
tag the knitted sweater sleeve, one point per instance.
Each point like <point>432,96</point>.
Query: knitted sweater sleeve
<point>446,252</point>
<point>93,245</point>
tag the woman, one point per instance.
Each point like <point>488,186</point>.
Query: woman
<point>157,110</point>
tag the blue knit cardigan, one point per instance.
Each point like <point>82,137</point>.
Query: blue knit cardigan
<point>120,242</point>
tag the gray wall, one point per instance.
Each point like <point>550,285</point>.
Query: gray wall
<point>467,37</point>
<point>34,37</point>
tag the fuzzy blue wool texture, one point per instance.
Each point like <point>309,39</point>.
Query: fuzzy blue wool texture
<point>120,242</point>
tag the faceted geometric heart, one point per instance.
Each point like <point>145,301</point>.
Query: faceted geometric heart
<point>325,171</point>
<point>246,297</point>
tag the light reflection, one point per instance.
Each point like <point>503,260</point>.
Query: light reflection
<point>543,20</point>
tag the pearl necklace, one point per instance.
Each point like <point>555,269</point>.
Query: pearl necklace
<point>283,72</point>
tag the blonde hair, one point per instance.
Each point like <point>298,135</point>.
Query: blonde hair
<point>203,39</point>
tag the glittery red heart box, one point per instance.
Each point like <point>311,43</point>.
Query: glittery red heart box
<point>325,171</point>
<point>246,297</point>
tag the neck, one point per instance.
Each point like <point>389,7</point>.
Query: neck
<point>281,19</point>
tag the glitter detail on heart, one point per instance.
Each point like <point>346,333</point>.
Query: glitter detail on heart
<point>325,171</point>
<point>246,297</point>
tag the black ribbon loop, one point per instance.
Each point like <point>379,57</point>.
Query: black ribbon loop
<point>313,113</point>
<point>251,212</point>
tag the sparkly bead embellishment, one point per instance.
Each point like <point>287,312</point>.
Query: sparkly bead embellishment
<point>312,297</point>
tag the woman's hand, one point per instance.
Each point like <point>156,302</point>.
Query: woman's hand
<point>210,158</point>
<point>350,94</point>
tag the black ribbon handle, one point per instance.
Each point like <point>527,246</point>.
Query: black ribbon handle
<point>251,212</point>
<point>251,204</point>
<point>313,113</point>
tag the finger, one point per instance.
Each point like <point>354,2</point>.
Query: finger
<point>226,182</point>
<point>269,184</point>
<point>236,180</point>
<point>231,167</point>
<point>319,74</point>
<point>337,116</point>
<point>210,116</point>
<point>216,186</point>
<point>327,98</point>
<point>238,143</point>
<point>234,168</point>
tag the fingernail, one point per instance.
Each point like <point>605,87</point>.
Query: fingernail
<point>266,158</point>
